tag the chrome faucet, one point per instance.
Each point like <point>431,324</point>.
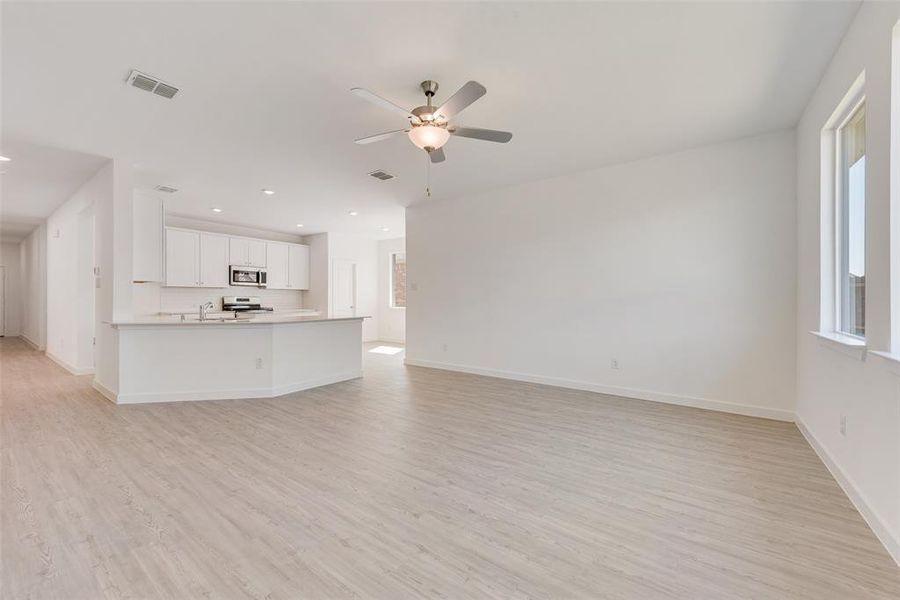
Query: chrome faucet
<point>203,308</point>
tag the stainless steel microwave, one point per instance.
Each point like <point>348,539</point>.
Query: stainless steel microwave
<point>250,276</point>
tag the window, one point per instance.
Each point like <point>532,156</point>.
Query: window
<point>398,280</point>
<point>851,211</point>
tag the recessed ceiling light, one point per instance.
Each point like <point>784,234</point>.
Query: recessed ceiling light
<point>4,159</point>
<point>299,224</point>
<point>268,192</point>
<point>353,213</point>
<point>385,228</point>
<point>217,210</point>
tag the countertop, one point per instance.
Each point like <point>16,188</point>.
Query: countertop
<point>215,319</point>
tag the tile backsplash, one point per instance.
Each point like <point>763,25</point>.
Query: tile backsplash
<point>175,299</point>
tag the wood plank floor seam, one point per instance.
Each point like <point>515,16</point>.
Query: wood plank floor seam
<point>414,483</point>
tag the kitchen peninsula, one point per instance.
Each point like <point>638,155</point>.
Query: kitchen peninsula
<point>169,359</point>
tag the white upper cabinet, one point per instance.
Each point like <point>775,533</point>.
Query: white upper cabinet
<point>202,259</point>
<point>214,253</point>
<point>147,237</point>
<point>276,266</point>
<point>257,253</point>
<point>246,252</point>
<point>298,267</point>
<point>239,251</point>
<point>182,258</point>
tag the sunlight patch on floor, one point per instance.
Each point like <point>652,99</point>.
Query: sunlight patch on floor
<point>386,350</point>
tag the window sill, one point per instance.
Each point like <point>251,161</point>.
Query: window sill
<point>845,344</point>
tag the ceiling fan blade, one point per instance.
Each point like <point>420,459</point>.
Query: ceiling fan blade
<point>490,135</point>
<point>379,136</point>
<point>463,97</point>
<point>437,156</point>
<point>378,100</point>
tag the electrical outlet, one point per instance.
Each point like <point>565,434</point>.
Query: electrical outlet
<point>614,363</point>
<point>843,425</point>
<point>259,363</point>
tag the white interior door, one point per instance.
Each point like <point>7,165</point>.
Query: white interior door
<point>343,288</point>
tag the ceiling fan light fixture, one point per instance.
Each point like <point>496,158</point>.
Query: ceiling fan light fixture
<point>429,137</point>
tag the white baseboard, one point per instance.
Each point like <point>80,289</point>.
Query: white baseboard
<point>104,391</point>
<point>890,542</point>
<point>70,368</point>
<point>262,392</point>
<point>391,340</point>
<point>31,342</point>
<point>666,398</point>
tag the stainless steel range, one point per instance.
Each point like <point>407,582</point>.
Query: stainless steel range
<point>244,304</point>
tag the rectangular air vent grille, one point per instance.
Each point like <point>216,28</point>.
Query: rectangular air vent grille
<point>166,189</point>
<point>382,175</point>
<point>145,82</point>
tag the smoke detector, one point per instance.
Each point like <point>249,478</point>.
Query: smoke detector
<point>151,84</point>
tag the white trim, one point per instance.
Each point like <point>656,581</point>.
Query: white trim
<point>30,342</point>
<point>845,344</point>
<point>70,368</point>
<point>663,397</point>
<point>829,204</point>
<point>890,359</point>
<point>104,391</point>
<point>894,191</point>
<point>244,394</point>
<point>857,498</point>
<point>390,340</point>
<point>888,356</point>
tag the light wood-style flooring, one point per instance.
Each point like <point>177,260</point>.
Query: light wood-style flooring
<point>414,483</point>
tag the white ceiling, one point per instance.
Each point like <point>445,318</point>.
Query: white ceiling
<point>36,182</point>
<point>265,100</point>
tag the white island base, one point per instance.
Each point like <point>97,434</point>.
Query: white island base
<point>169,361</point>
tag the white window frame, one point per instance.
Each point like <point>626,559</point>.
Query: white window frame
<point>894,219</point>
<point>842,233</point>
<point>391,256</point>
<point>831,231</point>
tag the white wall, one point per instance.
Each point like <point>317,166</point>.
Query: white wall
<point>680,267</point>
<point>364,252</point>
<point>391,320</point>
<point>11,261</point>
<point>114,257</point>
<point>33,271</point>
<point>228,228</point>
<point>833,383</point>
<point>317,296</point>
<point>70,280</point>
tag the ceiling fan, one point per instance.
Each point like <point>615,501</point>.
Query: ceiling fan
<point>429,125</point>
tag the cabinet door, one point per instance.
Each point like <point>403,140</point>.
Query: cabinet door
<point>256,253</point>
<point>147,237</point>
<point>239,251</point>
<point>298,263</point>
<point>214,251</point>
<point>277,266</point>
<point>182,258</point>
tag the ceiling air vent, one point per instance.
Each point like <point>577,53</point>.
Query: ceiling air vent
<point>166,189</point>
<point>145,82</point>
<point>382,175</point>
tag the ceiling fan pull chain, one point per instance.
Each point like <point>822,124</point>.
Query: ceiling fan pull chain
<point>427,176</point>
